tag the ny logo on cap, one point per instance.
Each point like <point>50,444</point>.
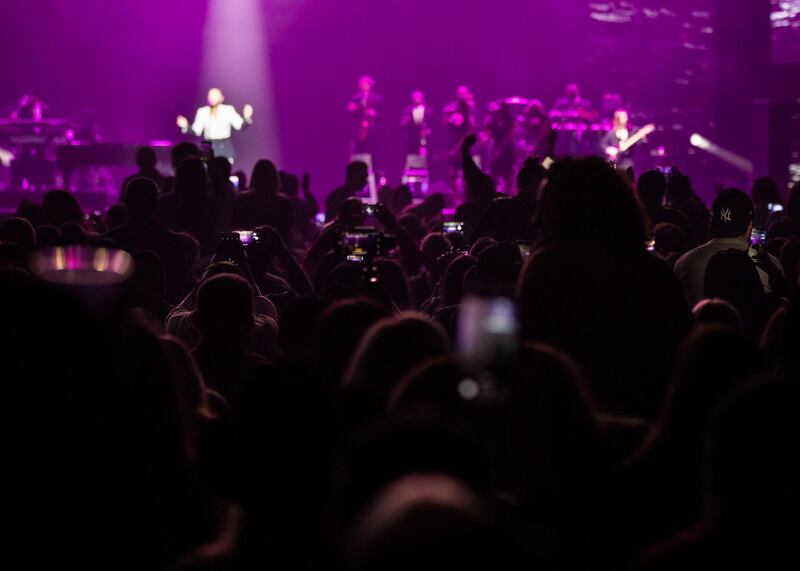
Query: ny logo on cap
<point>725,214</point>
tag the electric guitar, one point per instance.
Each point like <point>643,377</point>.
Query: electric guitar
<point>624,146</point>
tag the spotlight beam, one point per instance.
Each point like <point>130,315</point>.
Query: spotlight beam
<point>236,59</point>
<point>737,161</point>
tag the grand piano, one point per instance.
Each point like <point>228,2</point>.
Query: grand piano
<point>74,156</point>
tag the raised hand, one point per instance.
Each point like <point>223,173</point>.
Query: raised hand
<point>247,112</point>
<point>182,122</point>
<point>469,141</point>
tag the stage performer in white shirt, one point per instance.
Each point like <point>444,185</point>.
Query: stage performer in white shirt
<point>215,121</point>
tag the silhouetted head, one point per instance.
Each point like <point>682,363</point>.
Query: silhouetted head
<point>452,288</point>
<point>219,167</point>
<point>651,187</point>
<point>436,384</point>
<point>225,311</point>
<point>679,188</point>
<point>215,96</point>
<point>141,197</point>
<point>480,245</point>
<point>717,311</point>
<point>191,181</point>
<point>669,239</point>
<point>18,231</point>
<point>530,177</point>
<point>393,281</point>
<point>146,158</point>
<point>731,214</point>
<point>339,331</point>
<point>357,175</point>
<point>386,195</point>
<point>434,245</point>
<point>402,197</point>
<point>60,207</point>
<point>391,348</point>
<point>425,522</point>
<point>265,179</point>
<point>181,152</point>
<point>587,199</point>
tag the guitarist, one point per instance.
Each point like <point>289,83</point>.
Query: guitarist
<point>617,144</point>
<point>363,108</point>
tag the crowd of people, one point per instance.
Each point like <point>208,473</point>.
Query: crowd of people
<point>258,396</point>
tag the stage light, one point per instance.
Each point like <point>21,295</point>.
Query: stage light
<point>236,59</point>
<point>737,161</point>
<point>699,141</point>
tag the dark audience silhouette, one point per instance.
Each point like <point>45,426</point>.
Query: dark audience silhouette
<point>264,387</point>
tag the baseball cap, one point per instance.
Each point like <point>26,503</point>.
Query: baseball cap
<point>731,214</point>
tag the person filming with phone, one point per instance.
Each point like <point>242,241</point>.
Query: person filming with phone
<point>731,228</point>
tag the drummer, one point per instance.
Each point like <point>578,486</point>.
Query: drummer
<point>570,116</point>
<point>572,106</point>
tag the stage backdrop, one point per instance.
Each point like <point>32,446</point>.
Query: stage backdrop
<point>129,67</point>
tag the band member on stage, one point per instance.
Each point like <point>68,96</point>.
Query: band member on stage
<point>416,121</point>
<point>570,117</point>
<point>500,125</point>
<point>363,107</point>
<point>215,121</point>
<point>613,142</point>
<point>572,105</point>
<point>536,131</point>
<point>459,117</point>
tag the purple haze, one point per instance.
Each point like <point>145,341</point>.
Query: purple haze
<point>130,67</point>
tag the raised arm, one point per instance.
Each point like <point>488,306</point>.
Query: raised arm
<point>295,275</point>
<point>410,255</point>
<point>473,176</point>
<point>238,121</point>
<point>310,199</point>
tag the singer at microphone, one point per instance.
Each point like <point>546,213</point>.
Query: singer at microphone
<point>215,122</point>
